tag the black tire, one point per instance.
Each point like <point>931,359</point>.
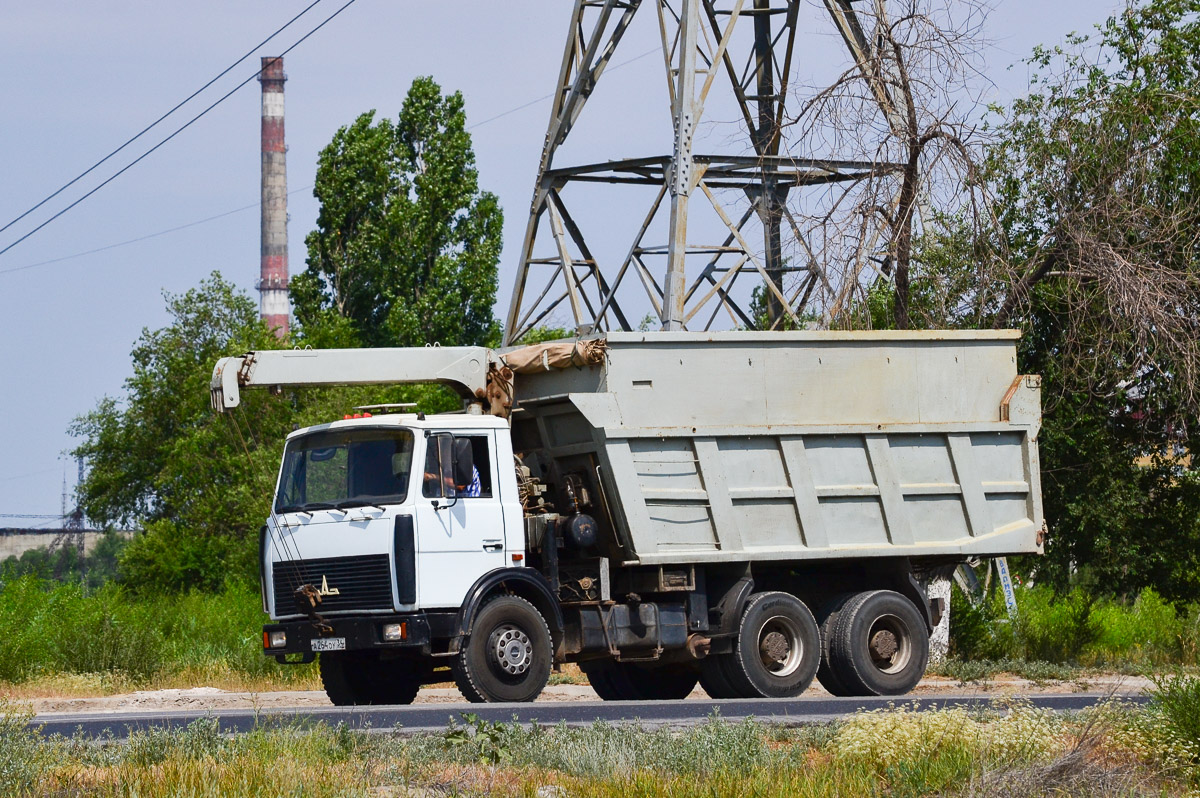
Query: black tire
<point>713,678</point>
<point>352,679</point>
<point>627,681</point>
<point>778,648</point>
<point>508,655</point>
<point>880,644</point>
<point>826,621</point>
<point>393,682</point>
<point>339,678</point>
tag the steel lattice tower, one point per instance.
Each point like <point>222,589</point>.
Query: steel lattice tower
<point>705,47</point>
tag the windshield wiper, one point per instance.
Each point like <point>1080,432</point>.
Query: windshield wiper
<point>294,508</point>
<point>319,506</point>
<point>352,503</point>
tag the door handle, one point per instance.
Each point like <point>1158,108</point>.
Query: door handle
<point>493,545</point>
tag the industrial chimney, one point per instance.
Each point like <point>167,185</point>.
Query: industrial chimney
<point>274,306</point>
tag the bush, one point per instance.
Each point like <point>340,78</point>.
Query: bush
<point>23,757</point>
<point>165,560</point>
<point>1056,628</point>
<point>103,633</point>
<point>1075,628</point>
<point>1177,699</point>
<point>46,628</point>
<point>1149,631</point>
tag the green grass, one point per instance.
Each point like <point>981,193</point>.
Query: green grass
<point>1076,629</point>
<point>1113,750</point>
<point>49,630</point>
<point>106,640</point>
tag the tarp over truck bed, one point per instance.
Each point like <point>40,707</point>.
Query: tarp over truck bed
<point>768,446</point>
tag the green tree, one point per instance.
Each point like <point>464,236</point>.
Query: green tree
<point>1095,181</point>
<point>406,247</point>
<point>160,458</point>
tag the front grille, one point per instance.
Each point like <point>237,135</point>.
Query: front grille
<point>357,583</point>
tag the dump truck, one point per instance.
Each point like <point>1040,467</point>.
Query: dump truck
<point>746,511</point>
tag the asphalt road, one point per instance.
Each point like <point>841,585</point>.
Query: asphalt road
<point>435,717</point>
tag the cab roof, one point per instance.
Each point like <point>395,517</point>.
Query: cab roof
<point>440,421</point>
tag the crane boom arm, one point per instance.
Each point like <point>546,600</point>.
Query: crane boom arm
<point>463,368</point>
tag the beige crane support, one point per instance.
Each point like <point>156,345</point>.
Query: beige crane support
<point>478,374</point>
<point>463,368</point>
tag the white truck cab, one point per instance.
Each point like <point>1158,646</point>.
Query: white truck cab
<point>357,492</point>
<point>381,529</point>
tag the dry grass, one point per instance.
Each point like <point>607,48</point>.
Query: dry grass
<point>1116,750</point>
<point>90,685</point>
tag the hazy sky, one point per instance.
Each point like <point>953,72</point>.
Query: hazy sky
<point>80,78</point>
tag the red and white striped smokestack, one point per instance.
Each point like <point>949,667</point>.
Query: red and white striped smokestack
<point>274,306</point>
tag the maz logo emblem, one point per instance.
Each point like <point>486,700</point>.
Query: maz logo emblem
<point>326,590</point>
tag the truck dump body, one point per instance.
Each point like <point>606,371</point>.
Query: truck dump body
<point>792,446</point>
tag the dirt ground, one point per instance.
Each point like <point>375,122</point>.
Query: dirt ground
<point>212,698</point>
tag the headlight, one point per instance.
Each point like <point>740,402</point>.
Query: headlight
<point>394,632</point>
<point>274,639</point>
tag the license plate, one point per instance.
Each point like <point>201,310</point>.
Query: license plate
<point>329,644</point>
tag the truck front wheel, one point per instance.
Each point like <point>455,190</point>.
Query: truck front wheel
<point>508,654</point>
<point>350,679</point>
<point>879,644</point>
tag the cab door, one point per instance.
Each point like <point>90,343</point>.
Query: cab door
<point>460,537</point>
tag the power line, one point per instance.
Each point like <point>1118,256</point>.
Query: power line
<point>503,114</point>
<point>146,237</point>
<point>29,474</point>
<point>148,127</point>
<point>178,130</point>
<point>176,229</point>
<point>26,515</point>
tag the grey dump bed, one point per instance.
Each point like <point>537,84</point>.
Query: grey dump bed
<point>773,446</point>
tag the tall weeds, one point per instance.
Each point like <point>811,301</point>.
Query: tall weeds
<point>48,628</point>
<point>1078,629</point>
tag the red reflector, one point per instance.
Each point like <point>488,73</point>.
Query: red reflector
<point>518,557</point>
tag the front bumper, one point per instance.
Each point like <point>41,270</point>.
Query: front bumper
<point>360,633</point>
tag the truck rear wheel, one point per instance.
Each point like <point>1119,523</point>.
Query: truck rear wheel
<point>351,679</point>
<point>827,621</point>
<point>627,681</point>
<point>508,655</point>
<point>777,650</point>
<point>713,678</point>
<point>879,645</point>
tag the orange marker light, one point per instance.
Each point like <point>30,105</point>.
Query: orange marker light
<point>266,641</point>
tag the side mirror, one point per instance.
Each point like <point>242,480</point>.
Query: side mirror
<point>446,470</point>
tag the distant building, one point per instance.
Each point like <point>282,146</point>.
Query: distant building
<point>15,541</point>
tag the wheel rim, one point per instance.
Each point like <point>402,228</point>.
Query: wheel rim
<point>511,650</point>
<point>889,644</point>
<point>780,646</point>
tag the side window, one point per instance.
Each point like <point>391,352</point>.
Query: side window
<point>469,484</point>
<point>482,456</point>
